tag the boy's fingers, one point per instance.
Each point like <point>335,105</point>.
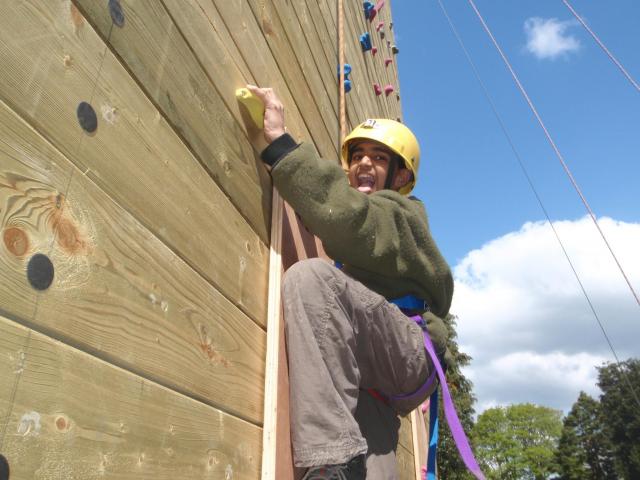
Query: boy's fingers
<point>263,94</point>
<point>267,95</point>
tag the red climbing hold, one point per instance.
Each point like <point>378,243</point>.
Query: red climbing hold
<point>374,11</point>
<point>387,61</point>
<point>388,89</point>
<point>377,89</point>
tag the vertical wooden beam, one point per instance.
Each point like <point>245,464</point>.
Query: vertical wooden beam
<point>343,121</point>
<point>274,320</point>
<point>420,441</point>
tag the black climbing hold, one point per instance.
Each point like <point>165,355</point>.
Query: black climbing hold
<point>87,117</point>
<point>117,15</point>
<point>40,272</point>
<point>4,468</point>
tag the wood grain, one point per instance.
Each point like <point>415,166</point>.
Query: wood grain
<point>276,406</point>
<point>405,464</point>
<point>215,28</point>
<point>118,291</point>
<point>150,44</point>
<point>405,436</point>
<point>420,440</point>
<point>319,76</point>
<point>134,156</point>
<point>68,415</point>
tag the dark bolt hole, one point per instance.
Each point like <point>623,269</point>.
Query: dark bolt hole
<point>40,272</point>
<point>4,468</point>
<point>117,15</point>
<point>87,117</point>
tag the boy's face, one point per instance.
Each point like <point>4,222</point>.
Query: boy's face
<point>369,166</point>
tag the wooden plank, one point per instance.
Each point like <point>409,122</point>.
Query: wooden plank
<point>420,440</point>
<point>289,243</point>
<point>274,368</point>
<point>360,24</point>
<point>156,53</point>
<point>375,64</point>
<point>134,155</point>
<point>404,434</point>
<point>327,38</point>
<point>391,72</point>
<point>321,76</point>
<point>68,415</point>
<point>239,31</point>
<point>217,48</point>
<point>405,464</point>
<point>117,291</point>
<point>284,39</point>
<point>364,77</point>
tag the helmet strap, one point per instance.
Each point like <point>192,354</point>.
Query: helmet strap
<point>391,172</point>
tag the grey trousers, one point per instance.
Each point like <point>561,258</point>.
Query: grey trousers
<point>342,339</point>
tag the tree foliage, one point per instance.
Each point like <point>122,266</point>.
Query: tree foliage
<point>620,404</point>
<point>517,442</point>
<point>584,451</point>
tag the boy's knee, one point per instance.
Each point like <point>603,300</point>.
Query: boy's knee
<point>308,274</point>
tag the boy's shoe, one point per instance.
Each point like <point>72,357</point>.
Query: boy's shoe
<point>353,470</point>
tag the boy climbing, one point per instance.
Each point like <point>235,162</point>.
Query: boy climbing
<point>356,360</point>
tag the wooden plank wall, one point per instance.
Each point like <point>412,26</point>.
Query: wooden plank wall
<point>145,357</point>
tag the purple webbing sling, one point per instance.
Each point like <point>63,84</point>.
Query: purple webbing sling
<point>459,437</point>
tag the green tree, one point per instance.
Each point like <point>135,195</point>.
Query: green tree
<point>450,465</point>
<point>620,385</point>
<point>517,442</point>
<point>584,451</point>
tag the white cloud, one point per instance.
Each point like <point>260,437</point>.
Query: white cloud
<point>524,319</point>
<point>548,38</point>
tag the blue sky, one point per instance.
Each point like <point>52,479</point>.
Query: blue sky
<point>478,199</point>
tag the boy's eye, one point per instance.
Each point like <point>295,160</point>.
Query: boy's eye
<point>356,157</point>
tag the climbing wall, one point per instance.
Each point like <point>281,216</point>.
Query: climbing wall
<point>135,223</point>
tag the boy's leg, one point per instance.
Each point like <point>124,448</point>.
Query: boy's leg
<point>342,337</point>
<point>379,425</point>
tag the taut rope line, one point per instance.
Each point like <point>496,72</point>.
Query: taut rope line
<point>605,49</point>
<point>555,149</point>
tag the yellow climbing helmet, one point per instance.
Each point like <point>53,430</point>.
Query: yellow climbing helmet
<point>393,135</point>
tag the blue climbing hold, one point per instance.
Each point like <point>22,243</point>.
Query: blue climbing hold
<point>347,70</point>
<point>365,41</point>
<point>347,82</point>
<point>369,8</point>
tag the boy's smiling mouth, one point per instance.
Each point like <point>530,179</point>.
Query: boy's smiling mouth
<point>366,182</point>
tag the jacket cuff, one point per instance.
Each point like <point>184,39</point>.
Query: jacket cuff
<point>277,149</point>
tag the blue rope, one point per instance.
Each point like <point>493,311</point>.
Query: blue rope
<point>433,436</point>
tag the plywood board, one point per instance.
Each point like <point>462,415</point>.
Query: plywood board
<point>405,464</point>
<point>134,155</point>
<point>156,53</point>
<point>68,415</point>
<point>420,440</point>
<point>318,77</point>
<point>240,51</point>
<point>117,290</point>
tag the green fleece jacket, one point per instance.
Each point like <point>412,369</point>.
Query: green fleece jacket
<point>383,239</point>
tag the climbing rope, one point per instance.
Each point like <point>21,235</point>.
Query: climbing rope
<point>605,49</point>
<point>555,148</point>
<point>534,190</point>
<point>343,115</point>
